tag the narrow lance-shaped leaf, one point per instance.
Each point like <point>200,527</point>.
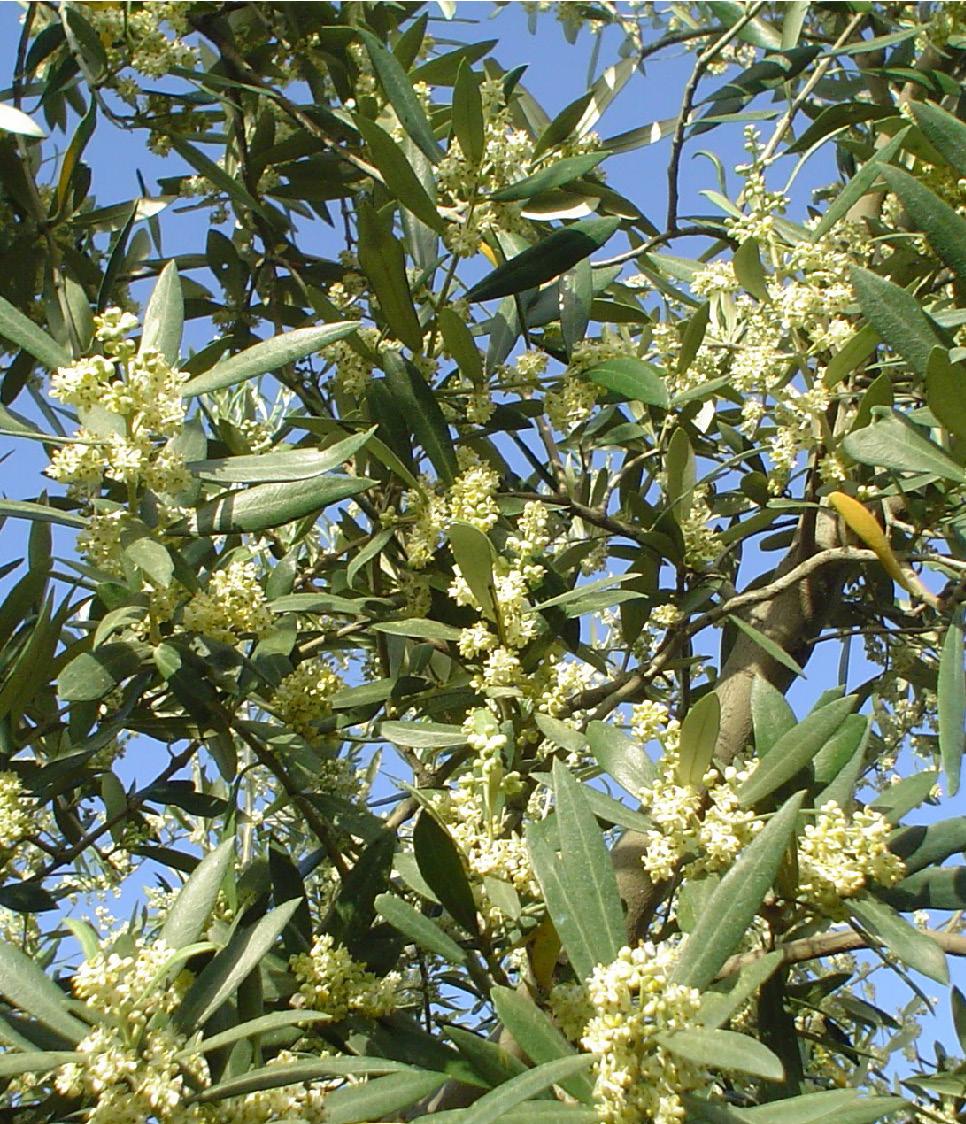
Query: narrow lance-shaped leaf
<point>907,943</point>
<point>441,864</point>
<point>164,316</point>
<point>280,467</point>
<point>420,412</point>
<point>943,130</point>
<point>537,1036</point>
<point>631,378</point>
<point>699,733</point>
<point>556,175</point>
<point>22,331</point>
<point>491,1106</point>
<point>24,985</point>
<point>723,1050</point>
<point>794,750</point>
<point>467,114</point>
<point>946,392</point>
<point>397,173</point>
<point>736,899</point>
<point>473,554</point>
<point>898,318</point>
<point>951,705</point>
<point>268,505</point>
<point>400,95</point>
<point>383,261</point>
<point>897,444</point>
<point>546,260</point>
<point>269,355</point>
<point>945,229</point>
<point>238,959</point>
<point>190,911</point>
<point>419,928</point>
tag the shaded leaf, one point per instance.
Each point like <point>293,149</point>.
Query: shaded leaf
<point>400,95</point>
<point>21,330</point>
<point>420,929</point>
<point>24,985</point>
<point>951,695</point>
<point>397,173</point>
<point>491,1106</point>
<point>897,316</point>
<point>945,229</point>
<point>442,865</point>
<point>556,175</point>
<point>546,260</point>
<point>699,734</point>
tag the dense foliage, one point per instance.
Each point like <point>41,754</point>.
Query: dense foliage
<point>419,646</point>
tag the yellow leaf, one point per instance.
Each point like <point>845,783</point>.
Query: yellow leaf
<point>488,253</point>
<point>863,523</point>
<point>544,948</point>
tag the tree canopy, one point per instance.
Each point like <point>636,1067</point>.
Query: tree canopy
<point>423,559</point>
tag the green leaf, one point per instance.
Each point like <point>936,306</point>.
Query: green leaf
<point>400,95</point>
<point>935,888</point>
<point>736,899</point>
<point>943,130</point>
<point>22,331</point>
<point>268,355</point>
<point>835,1106</point>
<point>776,651</point>
<point>90,675</point>
<point>897,444</point>
<point>40,513</point>
<point>771,715</point>
<point>442,865</point>
<point>24,985</point>
<point>756,31</point>
<point>563,126</point>
<point>898,318</point>
<point>749,270</point>
<point>945,229</point>
<point>421,629</point>
<point>459,342</point>
<point>218,177</point>
<point>699,735</point>
<point>13,120</point>
<point>264,1024</point>
<point>724,1049</point>
<point>946,392</point>
<point>242,955</point>
<point>856,349</point>
<point>467,114</point>
<point>718,1007</point>
<point>397,173</point>
<point>164,316</point>
<point>38,1061</point>
<point>920,846</point>
<point>419,928</point>
<point>378,1098</point>
<point>547,179</point>
<point>474,556</point>
<point>680,470</point>
<point>898,799</point>
<point>546,260</point>
<point>951,693</point>
<point>189,912</point>
<point>633,379</point>
<point>421,413</point>
<point>538,1037</point>
<point>280,467</point>
<point>858,185</point>
<point>152,559</point>
<point>620,757</point>
<point>904,941</point>
<point>589,870</point>
<point>422,735</point>
<point>298,1073</point>
<point>491,1106</point>
<point>794,750</point>
<point>839,750</point>
<point>268,505</point>
<point>489,1059</point>
<point>576,301</point>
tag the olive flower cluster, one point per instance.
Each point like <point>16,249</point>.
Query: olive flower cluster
<point>15,817</point>
<point>332,982</point>
<point>633,1002</point>
<point>305,696</point>
<point>232,606</point>
<point>138,401</point>
<point>839,855</point>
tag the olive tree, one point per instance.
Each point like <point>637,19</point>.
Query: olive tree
<point>437,541</point>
